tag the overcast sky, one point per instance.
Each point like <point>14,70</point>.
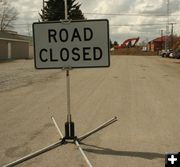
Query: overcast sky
<point>128,18</point>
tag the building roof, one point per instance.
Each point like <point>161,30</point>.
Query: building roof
<point>163,39</point>
<point>160,39</point>
<point>13,36</point>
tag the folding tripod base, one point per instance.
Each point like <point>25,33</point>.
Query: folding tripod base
<point>63,140</point>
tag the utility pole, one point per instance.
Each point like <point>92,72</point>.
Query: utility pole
<point>172,34</point>
<point>162,43</point>
<point>29,29</point>
<point>167,28</point>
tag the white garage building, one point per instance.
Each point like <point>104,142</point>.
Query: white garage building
<point>13,46</point>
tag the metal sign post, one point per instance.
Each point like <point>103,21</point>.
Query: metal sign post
<point>100,59</point>
<point>69,125</point>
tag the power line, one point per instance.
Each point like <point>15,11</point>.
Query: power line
<point>121,25</point>
<point>131,14</point>
<point>149,24</point>
<point>116,14</point>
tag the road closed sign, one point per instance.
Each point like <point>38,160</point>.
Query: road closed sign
<point>75,44</point>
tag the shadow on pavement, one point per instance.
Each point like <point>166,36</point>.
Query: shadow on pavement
<point>108,151</point>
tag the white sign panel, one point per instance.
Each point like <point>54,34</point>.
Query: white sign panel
<point>75,44</point>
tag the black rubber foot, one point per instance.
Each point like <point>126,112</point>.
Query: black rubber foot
<point>69,130</point>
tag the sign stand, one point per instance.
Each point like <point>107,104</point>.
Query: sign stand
<point>69,127</point>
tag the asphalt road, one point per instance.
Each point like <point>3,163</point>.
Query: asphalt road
<point>143,92</point>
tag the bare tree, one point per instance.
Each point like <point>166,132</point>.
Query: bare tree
<point>7,15</point>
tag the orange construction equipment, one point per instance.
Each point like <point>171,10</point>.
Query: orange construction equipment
<point>127,43</point>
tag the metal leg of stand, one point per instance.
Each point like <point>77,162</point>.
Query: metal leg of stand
<point>59,131</point>
<point>83,154</point>
<point>68,97</point>
<point>32,155</point>
<point>107,123</point>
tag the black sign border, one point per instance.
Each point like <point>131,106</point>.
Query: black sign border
<point>90,20</point>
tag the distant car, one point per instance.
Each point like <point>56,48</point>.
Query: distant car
<point>162,53</point>
<point>168,53</point>
<point>177,54</point>
<point>172,55</point>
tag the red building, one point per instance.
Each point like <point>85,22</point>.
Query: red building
<point>157,44</point>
